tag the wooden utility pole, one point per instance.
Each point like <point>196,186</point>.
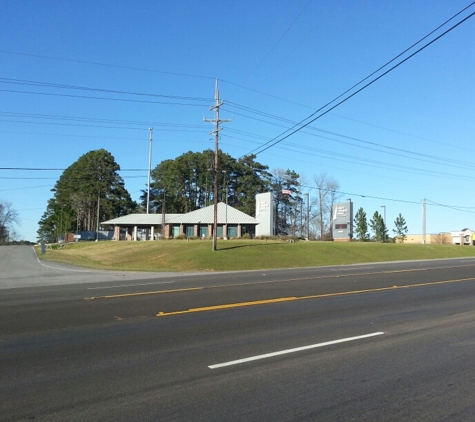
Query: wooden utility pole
<point>149,168</point>
<point>216,130</point>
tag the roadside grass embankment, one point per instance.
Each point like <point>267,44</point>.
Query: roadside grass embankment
<point>238,255</point>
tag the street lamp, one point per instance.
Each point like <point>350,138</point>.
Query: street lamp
<point>350,223</point>
<point>384,219</point>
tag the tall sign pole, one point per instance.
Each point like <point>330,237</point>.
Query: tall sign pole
<point>216,130</point>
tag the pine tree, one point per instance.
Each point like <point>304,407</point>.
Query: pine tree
<point>400,229</point>
<point>186,183</point>
<point>89,191</point>
<point>361,226</point>
<point>378,226</point>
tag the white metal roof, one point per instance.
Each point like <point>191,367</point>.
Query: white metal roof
<point>226,214</point>
<point>140,219</point>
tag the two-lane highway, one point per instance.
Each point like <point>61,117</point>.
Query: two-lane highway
<point>389,341</point>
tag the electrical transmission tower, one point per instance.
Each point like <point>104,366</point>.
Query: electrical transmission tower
<point>216,130</point>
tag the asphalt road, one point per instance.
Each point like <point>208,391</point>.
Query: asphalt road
<point>379,342</point>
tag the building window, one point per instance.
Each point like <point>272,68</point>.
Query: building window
<point>232,231</point>
<point>189,231</point>
<point>203,231</point>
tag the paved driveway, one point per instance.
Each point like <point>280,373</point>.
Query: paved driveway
<point>19,267</point>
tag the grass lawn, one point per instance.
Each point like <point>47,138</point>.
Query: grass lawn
<point>235,255</point>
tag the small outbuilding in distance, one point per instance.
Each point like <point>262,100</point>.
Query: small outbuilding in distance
<point>463,237</point>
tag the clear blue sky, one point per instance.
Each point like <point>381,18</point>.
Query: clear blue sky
<point>406,137</point>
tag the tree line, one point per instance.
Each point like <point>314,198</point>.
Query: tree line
<point>378,227</point>
<point>186,183</point>
<point>91,190</point>
<point>88,191</point>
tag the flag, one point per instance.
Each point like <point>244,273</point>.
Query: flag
<point>286,192</point>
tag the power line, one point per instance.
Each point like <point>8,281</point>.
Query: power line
<point>344,158</point>
<point>53,169</point>
<point>72,118</point>
<point>102,137</point>
<point>413,45</point>
<point>277,42</point>
<point>100,98</point>
<point>105,64</point>
<point>405,201</point>
<point>29,187</point>
<point>327,35</point>
<point>391,150</point>
<point>86,88</point>
<point>353,170</point>
<point>92,119</point>
<point>55,178</point>
<point>239,106</point>
<point>303,125</point>
<point>98,126</point>
<point>401,133</point>
<point>455,207</point>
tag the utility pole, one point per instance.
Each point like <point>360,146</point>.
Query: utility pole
<point>424,221</point>
<point>301,217</point>
<point>308,215</point>
<point>216,130</point>
<point>149,168</point>
<point>163,215</point>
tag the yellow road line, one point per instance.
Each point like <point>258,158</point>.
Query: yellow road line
<point>218,286</point>
<point>319,296</point>
<point>228,306</point>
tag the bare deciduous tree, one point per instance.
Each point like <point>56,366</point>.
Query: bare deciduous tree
<point>327,194</point>
<point>8,219</point>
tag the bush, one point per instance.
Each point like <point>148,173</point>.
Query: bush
<point>263,237</point>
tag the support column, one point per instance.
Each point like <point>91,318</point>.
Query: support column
<point>135,233</point>
<point>152,232</point>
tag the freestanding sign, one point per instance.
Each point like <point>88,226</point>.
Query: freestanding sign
<point>264,214</point>
<point>342,221</point>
